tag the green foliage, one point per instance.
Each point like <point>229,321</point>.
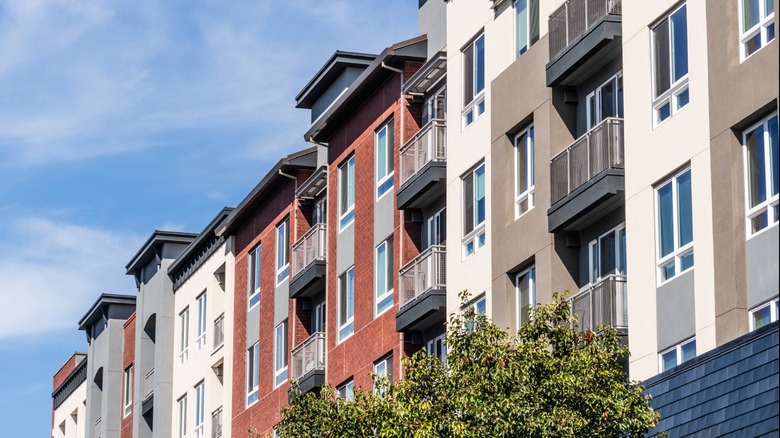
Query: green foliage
<point>547,380</point>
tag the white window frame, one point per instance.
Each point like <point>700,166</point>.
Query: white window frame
<point>530,41</point>
<point>594,119</point>
<point>346,329</point>
<point>347,216</point>
<point>346,390</point>
<point>384,178</point>
<point>679,251</point>
<point>431,346</point>
<point>384,301</point>
<point>529,273</point>
<point>184,335</point>
<point>318,318</point>
<point>282,255</point>
<point>200,410</point>
<point>475,239</point>
<point>431,103</point>
<point>255,278</point>
<point>595,265</point>
<point>280,353</point>
<point>476,106</point>
<point>128,391</point>
<point>678,352</point>
<point>202,327</point>
<point>182,404</point>
<point>437,221</point>
<point>528,150</point>
<point>764,22</point>
<point>773,313</point>
<point>474,304</point>
<point>676,88</point>
<point>384,368</point>
<point>253,374</point>
<point>771,202</point>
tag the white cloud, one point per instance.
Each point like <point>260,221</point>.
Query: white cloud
<point>53,271</point>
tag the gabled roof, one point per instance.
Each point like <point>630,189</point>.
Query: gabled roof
<point>103,302</point>
<point>337,63</point>
<point>199,250</point>
<point>157,239</point>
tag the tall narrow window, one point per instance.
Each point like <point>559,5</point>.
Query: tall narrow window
<point>757,25</point>
<point>383,141</point>
<point>525,282</point>
<point>524,171</point>
<point>282,250</point>
<point>670,49</point>
<point>384,369</point>
<point>383,277</point>
<point>674,225</point>
<point>435,106</point>
<point>254,278</point>
<point>318,318</point>
<point>346,304</point>
<point>526,24</point>
<point>607,254</point>
<point>474,210</point>
<point>437,228</point>
<point>200,410</point>
<point>252,373</point>
<point>678,354</point>
<point>761,173</point>
<point>437,347</point>
<point>347,192</point>
<point>347,390</point>
<point>128,390</point>
<point>473,80</point>
<point>200,341</point>
<point>184,334</point>
<point>280,354</point>
<point>605,101</point>
<point>183,416</point>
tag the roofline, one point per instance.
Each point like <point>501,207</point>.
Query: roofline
<point>79,366</point>
<point>339,57</point>
<point>157,236</point>
<point>76,353</point>
<point>210,228</point>
<point>104,300</point>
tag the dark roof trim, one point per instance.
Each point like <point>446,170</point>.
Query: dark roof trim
<point>68,386</point>
<point>305,159</point>
<point>316,183</point>
<point>207,240</point>
<point>428,75</point>
<point>104,301</point>
<point>142,257</point>
<point>365,84</point>
<point>333,67</point>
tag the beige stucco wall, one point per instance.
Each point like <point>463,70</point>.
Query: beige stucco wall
<point>74,428</point>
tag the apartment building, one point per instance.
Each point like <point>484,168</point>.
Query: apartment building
<point>202,276</point>
<point>69,398</point>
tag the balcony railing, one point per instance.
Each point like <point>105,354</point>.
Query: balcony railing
<point>574,18</point>
<point>605,302</point>
<point>309,248</point>
<point>216,423</point>
<point>219,331</point>
<point>425,272</point>
<point>308,356</point>
<point>149,384</point>
<point>429,144</point>
<point>599,149</point>
<point>96,430</point>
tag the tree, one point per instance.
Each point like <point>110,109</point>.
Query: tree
<point>549,379</point>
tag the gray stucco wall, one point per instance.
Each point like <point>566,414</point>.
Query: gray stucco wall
<point>281,301</point>
<point>761,255</point>
<point>105,352</point>
<point>675,310</point>
<point>384,210</point>
<point>432,21</point>
<point>345,248</point>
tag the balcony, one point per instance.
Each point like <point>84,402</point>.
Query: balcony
<point>216,423</point>
<point>308,263</point>
<point>147,403</point>
<point>423,166</point>
<point>422,291</point>
<point>308,363</point>
<point>584,36</point>
<point>587,174</point>
<point>605,302</point>
<point>219,332</point>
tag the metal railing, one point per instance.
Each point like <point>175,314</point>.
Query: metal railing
<point>96,428</point>
<point>574,17</point>
<point>219,331</point>
<point>308,356</point>
<point>605,302</point>
<point>429,144</point>
<point>599,149</point>
<point>149,384</point>
<point>312,246</point>
<point>216,423</point>
<point>425,272</point>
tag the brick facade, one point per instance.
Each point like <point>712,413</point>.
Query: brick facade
<point>128,356</point>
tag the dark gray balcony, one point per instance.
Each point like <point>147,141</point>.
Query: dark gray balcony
<point>587,178</point>
<point>423,167</point>
<point>422,291</point>
<point>308,364</point>
<point>605,302</point>
<point>308,263</point>
<point>584,36</point>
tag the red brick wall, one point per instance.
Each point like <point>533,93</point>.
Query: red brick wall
<point>128,356</point>
<point>64,371</point>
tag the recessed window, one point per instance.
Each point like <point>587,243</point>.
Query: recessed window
<point>473,80</point>
<point>318,318</point>
<point>346,302</point>
<point>764,314</point>
<point>347,192</point>
<point>757,25</point>
<point>674,223</point>
<point>128,390</point>
<point>280,354</point>
<point>678,354</point>
<point>525,285</point>
<point>182,405</point>
<point>347,390</point>
<point>282,251</point>
<point>670,64</point>
<point>524,171</point>
<point>437,347</point>
<point>383,142</point>
<point>474,236</point>
<point>761,174</point>
<point>437,228</point>
<point>200,410</point>
<point>254,278</point>
<point>605,101</point>
<point>200,341</point>
<point>184,335</point>
<point>252,373</point>
<point>383,277</point>
<point>526,24</point>
<point>384,368</point>
<point>607,255</point>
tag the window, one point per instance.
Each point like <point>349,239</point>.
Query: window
<point>670,55</point>
<point>184,340</point>
<point>526,24</point>
<point>282,251</point>
<point>605,101</point>
<point>347,390</point>
<point>200,341</point>
<point>674,225</point>
<point>183,416</point>
<point>678,354</point>
<point>474,210</point>
<point>346,300</point>
<point>437,347</point>
<point>524,171</point>
<point>319,210</point>
<point>764,314</point>
<point>254,278</point>
<point>479,307</point>
<point>437,228</point>
<point>252,373</point>
<point>383,277</point>
<point>757,25</point>
<point>280,354</point>
<point>383,141</point>
<point>347,192</point>
<point>435,106</point>
<point>761,174</point>
<point>525,284</point>
<point>473,80</point>
<point>200,409</point>
<point>128,390</point>
<point>318,318</point>
<point>607,255</point>
<point>383,368</point>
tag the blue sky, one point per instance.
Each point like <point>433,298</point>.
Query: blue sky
<point>121,117</point>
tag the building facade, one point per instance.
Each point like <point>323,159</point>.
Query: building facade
<point>69,398</point>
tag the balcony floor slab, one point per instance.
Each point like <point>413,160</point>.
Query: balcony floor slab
<point>424,186</point>
<point>424,312</point>
<point>589,202</point>
<point>311,381</point>
<point>587,54</point>
<point>310,281</point>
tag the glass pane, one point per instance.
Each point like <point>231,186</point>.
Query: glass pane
<point>668,360</point>
<point>608,107</point>
<point>532,178</point>
<point>753,44</point>
<point>754,141</point>
<point>762,317</point>
<point>684,209</point>
<point>667,271</point>
<point>481,240</point>
<point>608,256</point>
<point>769,6</point>
<point>665,220</point>
<point>479,307</point>
<point>479,64</point>
<point>661,47</point>
<point>521,20</point>
<point>343,300</point>
<point>750,13</point>
<point>468,204</point>
<point>381,153</point>
<point>664,111</point>
<point>686,261</point>
<point>521,174</point>
<point>620,97</point>
<point>350,293</point>
<point>758,223</point>
<point>389,145</point>
<point>773,154</point>
<point>770,32</point>
<point>479,194</point>
<point>622,267</point>
<point>468,75</point>
<point>594,262</point>
<point>683,99</point>
<point>389,264</point>
<point>442,228</point>
<point>592,114</point>
<point>689,351</point>
<point>257,269</point>
<point>381,270</point>
<point>351,181</point>
<point>679,44</point>
<point>470,248</point>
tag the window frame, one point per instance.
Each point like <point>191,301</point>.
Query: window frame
<point>283,259</point>
<point>437,221</point>
<point>384,301</point>
<point>253,374</point>
<point>530,274</point>
<point>431,345</point>
<point>764,22</point>
<point>772,201</point>
<point>348,387</point>
<point>384,183</point>
<point>528,194</point>
<point>281,351</point>
<point>530,37</point>
<point>678,252</point>
<point>255,277</point>
<point>677,88</point>
<point>318,317</point>
<point>477,236</point>
<point>678,354</point>
<point>596,95</point>
<point>476,106</point>
<point>595,265</point>
<point>346,212</point>
<point>184,335</point>
<point>386,363</point>
<point>182,405</point>
<point>127,394</point>
<point>346,329</point>
<point>774,313</point>
<point>202,326</point>
<point>200,410</point>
